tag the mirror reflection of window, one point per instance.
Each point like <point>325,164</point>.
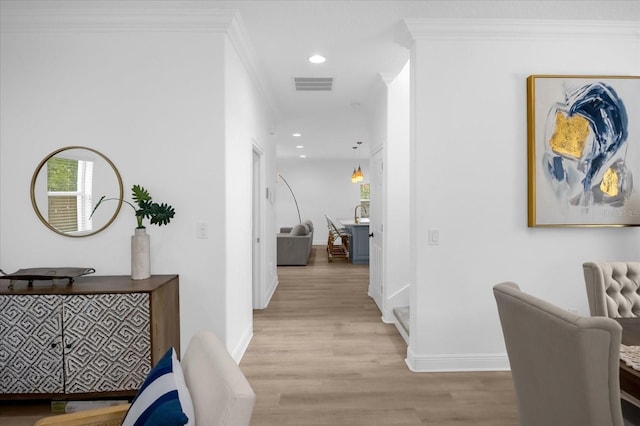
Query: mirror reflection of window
<point>65,186</point>
<point>69,193</point>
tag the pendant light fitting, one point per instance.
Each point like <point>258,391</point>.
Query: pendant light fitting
<point>354,175</point>
<point>357,175</point>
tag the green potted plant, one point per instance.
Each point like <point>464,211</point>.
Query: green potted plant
<point>157,213</point>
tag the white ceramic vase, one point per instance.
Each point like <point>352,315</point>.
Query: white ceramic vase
<point>140,255</point>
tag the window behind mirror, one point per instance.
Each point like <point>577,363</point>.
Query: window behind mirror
<point>69,192</point>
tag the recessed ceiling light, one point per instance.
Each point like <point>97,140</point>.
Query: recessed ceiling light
<point>296,135</point>
<point>317,59</point>
<point>303,156</point>
<point>299,146</point>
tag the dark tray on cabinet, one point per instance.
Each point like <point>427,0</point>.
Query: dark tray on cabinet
<point>42,274</point>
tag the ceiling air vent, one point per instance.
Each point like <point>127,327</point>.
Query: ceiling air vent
<point>314,83</point>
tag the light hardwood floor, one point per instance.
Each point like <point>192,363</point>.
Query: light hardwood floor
<point>321,356</point>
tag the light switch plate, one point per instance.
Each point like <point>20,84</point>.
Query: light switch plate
<point>434,237</point>
<point>202,230</point>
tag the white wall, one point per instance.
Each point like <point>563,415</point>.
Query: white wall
<point>247,122</point>
<point>378,109</point>
<point>469,180</point>
<point>389,118</point>
<point>154,101</point>
<point>157,103</point>
<point>397,234</point>
<point>321,187</point>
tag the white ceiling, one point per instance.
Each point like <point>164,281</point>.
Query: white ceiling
<point>358,38</point>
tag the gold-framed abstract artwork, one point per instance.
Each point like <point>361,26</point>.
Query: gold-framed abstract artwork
<point>583,150</point>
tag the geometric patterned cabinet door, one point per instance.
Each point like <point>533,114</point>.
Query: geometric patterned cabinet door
<point>107,342</point>
<point>30,344</point>
<point>96,337</point>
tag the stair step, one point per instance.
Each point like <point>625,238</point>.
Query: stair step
<point>403,314</point>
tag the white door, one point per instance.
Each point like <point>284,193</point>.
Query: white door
<point>257,229</point>
<point>376,227</point>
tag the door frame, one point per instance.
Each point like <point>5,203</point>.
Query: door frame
<point>258,225</point>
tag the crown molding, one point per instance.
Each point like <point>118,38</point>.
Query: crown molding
<point>513,30</point>
<point>238,35</point>
<point>91,16</point>
<point>106,16</point>
<point>387,77</point>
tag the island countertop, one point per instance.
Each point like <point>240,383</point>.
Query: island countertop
<point>350,222</point>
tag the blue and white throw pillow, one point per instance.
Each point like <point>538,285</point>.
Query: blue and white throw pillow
<point>163,399</point>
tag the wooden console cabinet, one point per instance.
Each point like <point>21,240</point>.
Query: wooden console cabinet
<point>98,336</point>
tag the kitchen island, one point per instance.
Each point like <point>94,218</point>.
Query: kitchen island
<point>359,239</point>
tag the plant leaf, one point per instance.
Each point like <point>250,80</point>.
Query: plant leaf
<point>139,194</point>
<point>161,214</point>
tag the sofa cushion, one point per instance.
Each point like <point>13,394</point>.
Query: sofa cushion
<point>299,230</point>
<point>163,398</point>
<point>309,225</point>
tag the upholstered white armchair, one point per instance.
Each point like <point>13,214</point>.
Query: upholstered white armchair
<point>565,368</point>
<point>613,288</point>
<point>220,394</point>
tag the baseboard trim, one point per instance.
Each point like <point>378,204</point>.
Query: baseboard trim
<point>271,291</point>
<point>263,303</point>
<point>401,330</point>
<point>243,344</point>
<point>456,362</point>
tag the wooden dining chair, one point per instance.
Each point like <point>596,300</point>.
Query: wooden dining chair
<point>337,242</point>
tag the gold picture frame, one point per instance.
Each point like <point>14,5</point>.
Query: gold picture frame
<point>583,135</point>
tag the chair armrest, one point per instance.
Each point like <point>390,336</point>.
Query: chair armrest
<point>105,416</point>
<point>286,229</point>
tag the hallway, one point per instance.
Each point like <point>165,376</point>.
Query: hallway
<point>321,355</point>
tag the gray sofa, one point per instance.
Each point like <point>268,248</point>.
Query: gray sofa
<point>294,244</point>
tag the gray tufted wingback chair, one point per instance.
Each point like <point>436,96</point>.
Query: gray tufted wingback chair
<point>613,288</point>
<point>565,368</point>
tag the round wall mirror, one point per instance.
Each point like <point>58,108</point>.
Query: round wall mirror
<point>66,186</point>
